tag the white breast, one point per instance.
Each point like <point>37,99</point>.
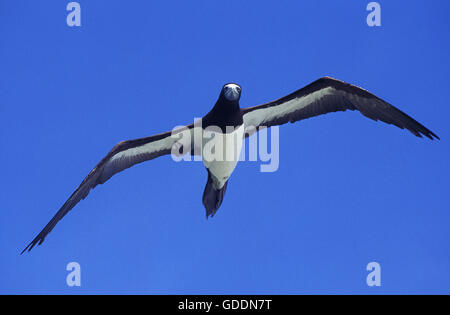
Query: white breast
<point>221,153</point>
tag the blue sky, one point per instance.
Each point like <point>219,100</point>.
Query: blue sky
<point>348,190</point>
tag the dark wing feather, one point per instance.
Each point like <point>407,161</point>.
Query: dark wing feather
<point>124,155</point>
<point>328,95</point>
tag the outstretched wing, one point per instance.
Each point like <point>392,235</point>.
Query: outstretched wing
<point>124,155</point>
<point>328,95</point>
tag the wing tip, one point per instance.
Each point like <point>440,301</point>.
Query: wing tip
<point>27,248</point>
<point>38,240</point>
<point>432,134</point>
<point>427,133</point>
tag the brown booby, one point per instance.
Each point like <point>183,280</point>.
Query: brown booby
<point>232,122</point>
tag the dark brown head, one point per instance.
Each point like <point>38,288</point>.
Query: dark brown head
<point>231,92</point>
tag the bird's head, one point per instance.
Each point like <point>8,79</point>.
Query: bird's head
<point>231,92</point>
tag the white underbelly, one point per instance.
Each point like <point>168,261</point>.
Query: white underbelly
<point>221,153</point>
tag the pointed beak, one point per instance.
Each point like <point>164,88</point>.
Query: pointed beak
<point>232,94</point>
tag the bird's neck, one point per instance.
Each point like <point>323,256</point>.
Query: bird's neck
<point>226,107</point>
<point>224,114</point>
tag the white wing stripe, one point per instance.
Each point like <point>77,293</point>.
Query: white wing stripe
<point>156,146</point>
<point>260,116</point>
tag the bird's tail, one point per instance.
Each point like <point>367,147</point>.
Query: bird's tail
<point>212,196</point>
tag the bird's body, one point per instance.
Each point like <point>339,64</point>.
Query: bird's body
<point>223,135</point>
<point>226,125</point>
<point>222,163</point>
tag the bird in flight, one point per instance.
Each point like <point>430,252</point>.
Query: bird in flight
<point>231,122</point>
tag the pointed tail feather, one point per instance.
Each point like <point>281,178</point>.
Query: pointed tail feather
<point>212,196</point>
